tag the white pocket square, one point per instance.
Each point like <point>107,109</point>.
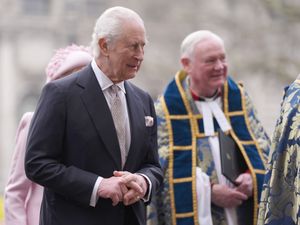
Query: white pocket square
<point>149,121</point>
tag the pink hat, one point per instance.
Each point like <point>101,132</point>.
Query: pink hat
<point>67,59</point>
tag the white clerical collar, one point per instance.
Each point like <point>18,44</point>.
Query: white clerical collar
<point>209,110</point>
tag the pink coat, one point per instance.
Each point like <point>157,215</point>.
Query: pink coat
<point>22,197</point>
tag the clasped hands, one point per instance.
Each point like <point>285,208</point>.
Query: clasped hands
<point>123,187</point>
<point>226,197</point>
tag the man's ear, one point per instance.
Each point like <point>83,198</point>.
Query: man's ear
<point>103,46</point>
<point>185,62</point>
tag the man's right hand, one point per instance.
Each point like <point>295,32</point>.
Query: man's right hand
<point>113,188</point>
<point>226,197</point>
<point>136,184</point>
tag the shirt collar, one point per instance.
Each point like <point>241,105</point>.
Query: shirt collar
<point>103,80</point>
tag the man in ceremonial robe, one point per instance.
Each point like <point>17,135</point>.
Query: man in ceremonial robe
<point>280,196</point>
<point>195,105</point>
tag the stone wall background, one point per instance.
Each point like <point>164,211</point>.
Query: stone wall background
<point>261,38</point>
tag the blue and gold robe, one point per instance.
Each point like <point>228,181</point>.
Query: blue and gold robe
<point>280,200</point>
<point>183,146</point>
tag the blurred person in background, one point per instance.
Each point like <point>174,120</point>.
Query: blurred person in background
<point>22,196</point>
<point>280,196</point>
<point>98,157</point>
<point>199,101</point>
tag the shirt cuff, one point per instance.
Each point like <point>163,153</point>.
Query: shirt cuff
<point>94,197</point>
<point>146,198</point>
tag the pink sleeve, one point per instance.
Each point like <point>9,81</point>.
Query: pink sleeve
<point>18,186</point>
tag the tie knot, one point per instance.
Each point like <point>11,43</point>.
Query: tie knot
<point>114,88</point>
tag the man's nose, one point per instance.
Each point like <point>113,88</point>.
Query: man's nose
<point>139,54</point>
<point>219,65</point>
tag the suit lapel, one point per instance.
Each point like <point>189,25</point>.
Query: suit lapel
<point>96,105</point>
<point>137,123</point>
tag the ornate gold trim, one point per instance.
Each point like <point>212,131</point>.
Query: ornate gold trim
<point>182,180</point>
<point>180,76</point>
<point>171,158</point>
<point>241,143</point>
<point>185,215</point>
<point>182,148</point>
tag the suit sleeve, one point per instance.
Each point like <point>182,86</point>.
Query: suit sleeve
<point>45,150</point>
<point>152,168</point>
<point>158,210</point>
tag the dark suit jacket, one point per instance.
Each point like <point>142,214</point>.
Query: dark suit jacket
<point>72,141</point>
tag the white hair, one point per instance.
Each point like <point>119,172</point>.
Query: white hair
<point>109,25</point>
<point>189,43</point>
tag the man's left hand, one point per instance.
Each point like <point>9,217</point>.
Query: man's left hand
<point>245,184</point>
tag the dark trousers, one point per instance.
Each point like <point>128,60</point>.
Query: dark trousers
<point>129,216</point>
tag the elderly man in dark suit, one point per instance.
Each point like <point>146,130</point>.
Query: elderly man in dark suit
<point>93,142</point>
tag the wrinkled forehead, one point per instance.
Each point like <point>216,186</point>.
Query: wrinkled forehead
<point>209,46</point>
<point>132,26</point>
<point>210,42</point>
<point>132,32</point>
